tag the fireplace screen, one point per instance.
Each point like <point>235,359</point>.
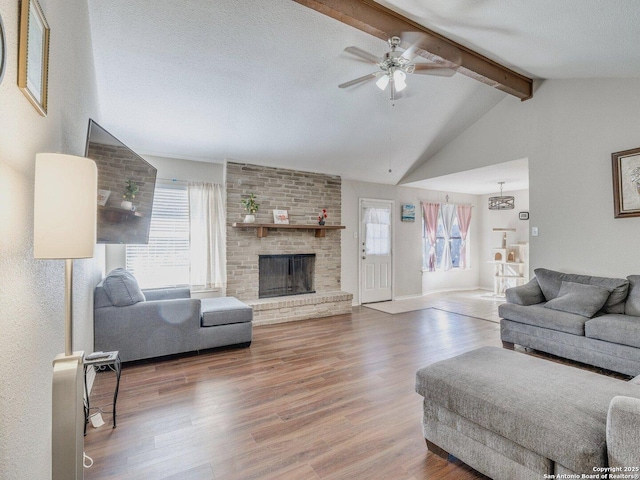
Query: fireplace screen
<point>286,274</point>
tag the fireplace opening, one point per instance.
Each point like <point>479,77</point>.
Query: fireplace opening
<point>281,275</point>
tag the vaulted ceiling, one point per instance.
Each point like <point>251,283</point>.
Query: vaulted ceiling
<point>256,82</point>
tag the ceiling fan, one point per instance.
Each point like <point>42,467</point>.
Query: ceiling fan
<point>394,67</point>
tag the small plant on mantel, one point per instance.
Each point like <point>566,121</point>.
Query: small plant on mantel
<point>250,205</point>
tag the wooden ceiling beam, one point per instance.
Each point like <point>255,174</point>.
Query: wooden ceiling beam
<point>381,22</point>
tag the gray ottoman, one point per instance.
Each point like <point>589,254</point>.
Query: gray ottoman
<point>510,415</point>
<point>225,321</point>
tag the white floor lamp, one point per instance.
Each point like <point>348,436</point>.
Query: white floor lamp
<point>64,227</point>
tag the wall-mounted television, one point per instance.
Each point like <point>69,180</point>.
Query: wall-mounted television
<point>126,183</point>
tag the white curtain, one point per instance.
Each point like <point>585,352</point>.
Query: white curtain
<point>207,229</point>
<point>448,211</point>
<point>377,222</point>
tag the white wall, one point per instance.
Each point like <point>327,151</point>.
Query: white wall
<point>490,219</point>
<point>407,248</point>
<point>32,291</point>
<point>568,131</point>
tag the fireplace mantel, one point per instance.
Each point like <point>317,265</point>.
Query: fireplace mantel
<point>263,228</point>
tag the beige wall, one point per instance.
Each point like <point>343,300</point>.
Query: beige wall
<point>31,292</point>
<point>568,132</point>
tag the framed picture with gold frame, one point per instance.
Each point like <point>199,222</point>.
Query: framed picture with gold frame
<point>626,183</point>
<point>33,55</point>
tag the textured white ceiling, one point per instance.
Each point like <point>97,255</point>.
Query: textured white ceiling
<point>257,82</point>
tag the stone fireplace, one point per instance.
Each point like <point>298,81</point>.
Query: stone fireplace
<point>303,195</point>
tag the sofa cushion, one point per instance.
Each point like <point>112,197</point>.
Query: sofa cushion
<point>615,328</point>
<point>557,411</point>
<point>224,311</point>
<point>539,316</point>
<point>550,282</point>
<point>122,288</point>
<point>579,298</point>
<point>632,305</point>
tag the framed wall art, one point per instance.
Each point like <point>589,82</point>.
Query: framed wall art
<point>33,55</point>
<point>281,217</point>
<point>408,213</point>
<point>3,50</point>
<point>626,183</point>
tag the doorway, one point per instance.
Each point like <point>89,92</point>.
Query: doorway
<point>376,250</point>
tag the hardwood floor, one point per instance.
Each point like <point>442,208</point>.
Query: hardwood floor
<point>319,399</point>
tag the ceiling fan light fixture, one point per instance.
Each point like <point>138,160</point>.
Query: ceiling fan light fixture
<point>382,82</point>
<point>399,78</point>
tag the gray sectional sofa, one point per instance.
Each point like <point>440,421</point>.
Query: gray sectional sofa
<point>144,324</point>
<point>593,320</point>
<point>513,416</point>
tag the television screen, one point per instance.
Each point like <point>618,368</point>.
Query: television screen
<point>126,183</point>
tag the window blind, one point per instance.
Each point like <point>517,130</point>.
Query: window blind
<point>164,261</point>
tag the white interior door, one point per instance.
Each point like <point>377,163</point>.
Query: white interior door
<point>376,252</point>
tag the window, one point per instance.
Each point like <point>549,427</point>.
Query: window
<point>377,231</point>
<point>456,242</point>
<point>165,260</point>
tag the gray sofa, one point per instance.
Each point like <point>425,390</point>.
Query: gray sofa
<point>513,416</point>
<point>593,320</point>
<point>144,324</point>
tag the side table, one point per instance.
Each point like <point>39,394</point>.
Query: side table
<point>101,361</point>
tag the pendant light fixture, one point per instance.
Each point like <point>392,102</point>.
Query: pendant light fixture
<point>502,202</point>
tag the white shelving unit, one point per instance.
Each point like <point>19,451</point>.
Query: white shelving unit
<point>510,263</point>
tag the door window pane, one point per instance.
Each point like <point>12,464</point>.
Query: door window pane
<point>377,231</point>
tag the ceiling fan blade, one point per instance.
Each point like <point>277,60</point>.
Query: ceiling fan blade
<point>412,38</point>
<point>433,69</point>
<point>356,81</point>
<point>366,56</point>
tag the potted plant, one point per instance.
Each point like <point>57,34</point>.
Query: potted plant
<point>130,190</point>
<point>250,206</point>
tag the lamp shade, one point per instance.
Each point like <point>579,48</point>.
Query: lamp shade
<point>65,206</point>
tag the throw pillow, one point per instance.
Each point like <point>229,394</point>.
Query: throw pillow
<point>549,281</point>
<point>632,306</point>
<point>122,288</point>
<point>579,298</point>
<point>619,288</point>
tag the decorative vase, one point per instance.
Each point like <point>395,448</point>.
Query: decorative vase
<point>126,205</point>
<point>249,218</point>
<point>321,222</point>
